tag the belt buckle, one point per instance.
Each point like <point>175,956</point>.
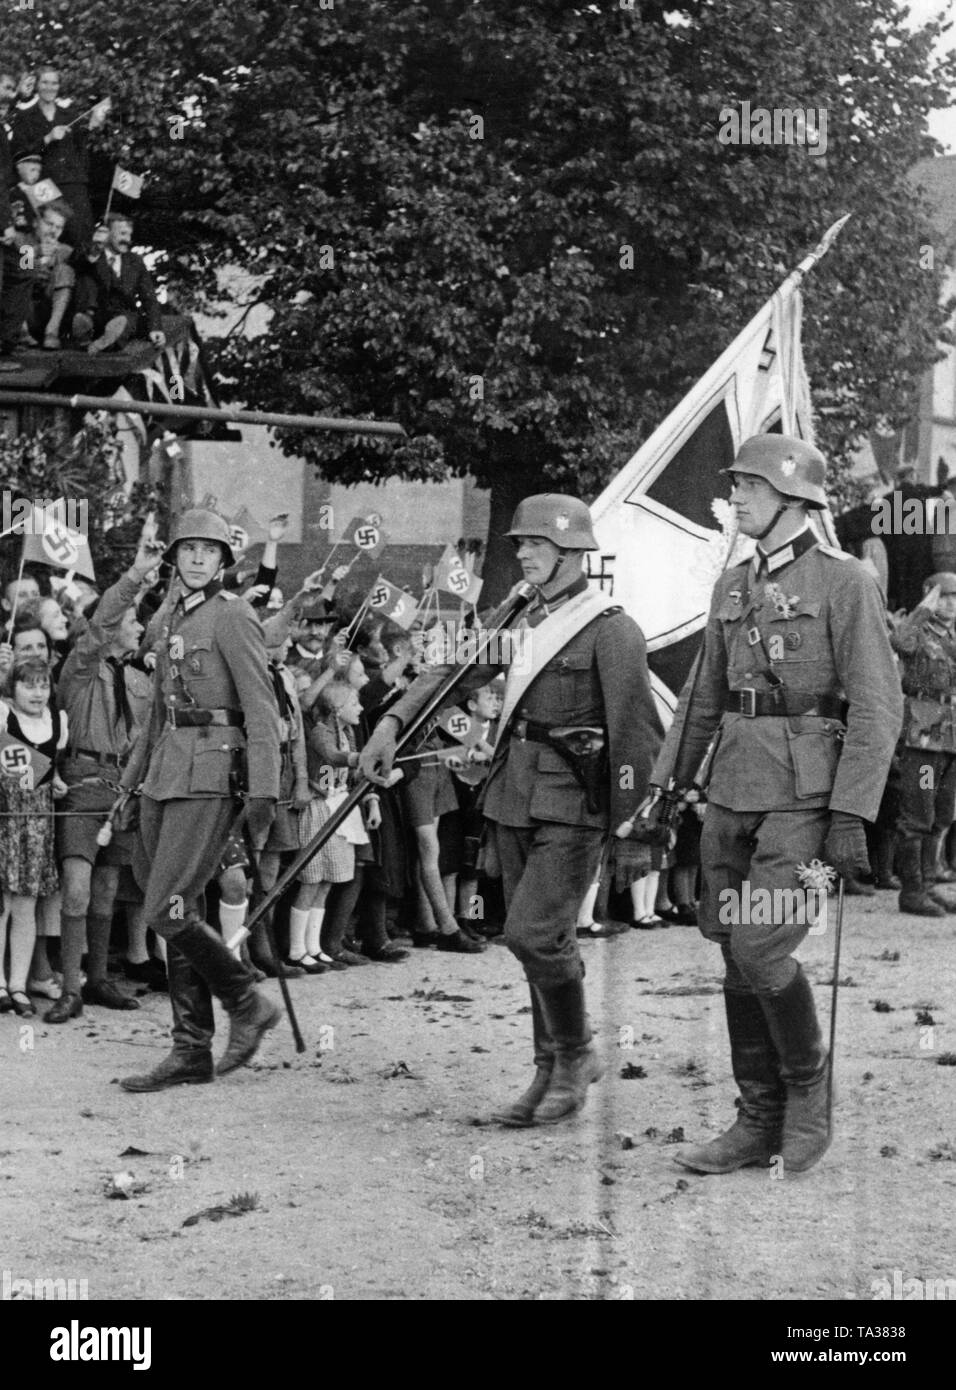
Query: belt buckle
<point>748,702</point>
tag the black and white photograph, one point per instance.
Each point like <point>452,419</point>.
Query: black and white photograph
<point>478,667</point>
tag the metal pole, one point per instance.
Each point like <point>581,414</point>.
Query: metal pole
<point>834,995</point>
<point>197,412</point>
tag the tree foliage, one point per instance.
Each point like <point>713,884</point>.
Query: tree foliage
<point>435,198</point>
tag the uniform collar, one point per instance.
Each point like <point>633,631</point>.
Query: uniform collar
<point>192,598</point>
<point>785,554</point>
<point>546,606</point>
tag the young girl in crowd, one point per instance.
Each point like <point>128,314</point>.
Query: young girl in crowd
<point>313,943</point>
<point>27,864</point>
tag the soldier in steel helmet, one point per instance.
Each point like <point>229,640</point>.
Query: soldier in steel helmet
<point>926,642</point>
<point>214,731</point>
<point>798,681</point>
<point>581,679</point>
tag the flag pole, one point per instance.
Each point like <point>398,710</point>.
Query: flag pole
<point>16,596</point>
<point>356,622</point>
<point>88,112</point>
<point>109,201</point>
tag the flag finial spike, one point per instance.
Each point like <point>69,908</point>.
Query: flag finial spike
<point>823,245</point>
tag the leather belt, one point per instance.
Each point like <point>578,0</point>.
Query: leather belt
<point>109,759</point>
<point>937,697</point>
<point>527,731</point>
<point>203,718</point>
<point>761,703</point>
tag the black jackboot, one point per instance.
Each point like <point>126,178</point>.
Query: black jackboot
<point>521,1111</point>
<point>930,865</point>
<point>190,1062</point>
<point>792,1020</point>
<point>883,855</point>
<point>913,896</point>
<point>576,1063</point>
<point>755,1135</point>
<point>251,1014</point>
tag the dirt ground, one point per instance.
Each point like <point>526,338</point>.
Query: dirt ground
<point>373,1180</point>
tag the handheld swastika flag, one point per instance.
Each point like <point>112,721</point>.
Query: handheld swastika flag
<point>387,600</point>
<point>43,192</point>
<point>21,764</point>
<point>128,183</point>
<point>452,577</point>
<point>366,534</point>
<point>460,726</point>
<point>48,540</point>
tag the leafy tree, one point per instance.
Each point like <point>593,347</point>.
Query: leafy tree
<point>437,198</point>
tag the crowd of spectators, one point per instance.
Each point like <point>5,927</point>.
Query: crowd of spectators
<point>65,281</point>
<point>77,671</point>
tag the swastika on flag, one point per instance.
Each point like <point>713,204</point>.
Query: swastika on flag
<point>14,758</point>
<point>380,596</point>
<point>16,765</point>
<point>458,725</point>
<point>60,544</point>
<point>459,580</point>
<point>366,537</point>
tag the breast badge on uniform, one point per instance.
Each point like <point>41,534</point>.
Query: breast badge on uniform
<point>177,648</point>
<point>783,606</point>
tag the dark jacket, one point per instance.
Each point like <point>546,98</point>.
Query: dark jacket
<point>99,290</point>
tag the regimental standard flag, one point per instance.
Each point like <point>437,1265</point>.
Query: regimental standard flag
<point>452,577</point>
<point>660,553</point>
<point>47,540</point>
<point>387,600</point>
<point>127,183</point>
<point>21,764</point>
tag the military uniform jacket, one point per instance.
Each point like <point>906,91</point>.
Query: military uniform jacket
<point>927,647</point>
<point>211,655</point>
<point>599,678</point>
<point>821,623</point>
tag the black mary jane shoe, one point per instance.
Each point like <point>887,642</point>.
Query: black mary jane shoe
<point>308,964</point>
<point>23,1006</point>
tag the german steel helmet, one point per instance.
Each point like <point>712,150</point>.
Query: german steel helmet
<point>792,466</point>
<point>199,524</point>
<point>565,521</point>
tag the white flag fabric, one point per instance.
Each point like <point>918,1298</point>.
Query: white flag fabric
<point>656,523</point>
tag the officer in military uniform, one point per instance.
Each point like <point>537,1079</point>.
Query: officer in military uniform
<point>578,678</point>
<point>214,731</point>
<point>926,642</point>
<point>798,681</point>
